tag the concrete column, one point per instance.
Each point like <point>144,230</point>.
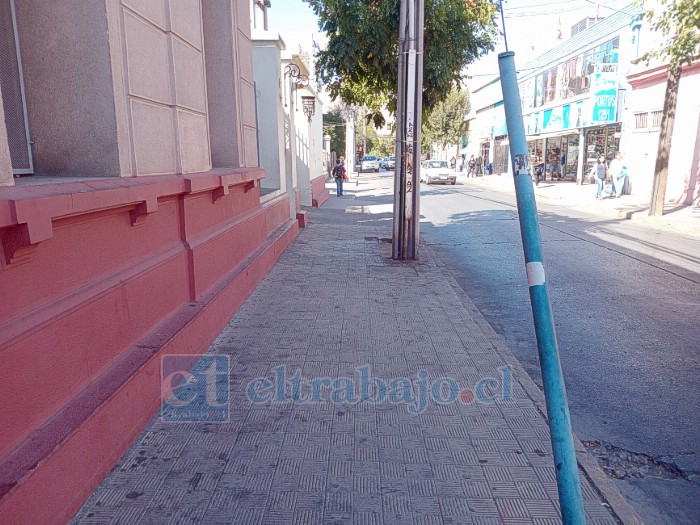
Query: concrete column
<point>218,21</point>
<point>230,84</point>
<point>69,89</point>
<point>267,49</point>
<point>580,175</point>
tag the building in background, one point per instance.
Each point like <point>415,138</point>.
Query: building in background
<point>573,96</point>
<point>136,230</point>
<point>641,127</point>
<point>642,120</point>
<point>486,127</point>
<point>573,99</point>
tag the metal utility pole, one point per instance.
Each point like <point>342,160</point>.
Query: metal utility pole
<point>408,124</point>
<point>555,393</point>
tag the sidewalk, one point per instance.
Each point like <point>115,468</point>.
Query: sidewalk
<point>473,449</point>
<point>685,219</point>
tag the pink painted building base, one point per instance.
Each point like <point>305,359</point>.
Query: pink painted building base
<point>100,279</point>
<point>319,191</point>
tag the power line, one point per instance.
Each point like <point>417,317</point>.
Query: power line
<point>607,7</point>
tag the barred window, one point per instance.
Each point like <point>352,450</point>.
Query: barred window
<point>640,120</point>
<point>656,118</point>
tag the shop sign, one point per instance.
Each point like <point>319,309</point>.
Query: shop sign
<point>579,114</point>
<point>499,121</point>
<point>605,97</point>
<point>556,119</point>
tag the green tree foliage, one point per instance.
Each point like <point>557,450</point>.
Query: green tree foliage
<point>386,147</point>
<point>334,125</point>
<point>360,63</point>
<point>678,21</point>
<point>445,124</point>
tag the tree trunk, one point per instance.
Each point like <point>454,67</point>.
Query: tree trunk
<point>658,191</point>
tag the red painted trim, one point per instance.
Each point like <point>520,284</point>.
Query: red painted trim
<point>68,457</point>
<point>37,206</point>
<point>319,192</point>
<point>659,74</point>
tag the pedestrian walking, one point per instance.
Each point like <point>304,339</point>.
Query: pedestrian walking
<point>599,171</point>
<point>339,176</point>
<point>618,174</point>
<point>472,167</point>
<point>553,168</point>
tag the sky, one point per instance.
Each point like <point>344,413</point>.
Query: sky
<point>532,27</point>
<point>296,23</point>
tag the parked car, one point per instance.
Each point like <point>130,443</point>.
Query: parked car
<point>382,162</point>
<point>369,163</point>
<point>391,163</point>
<point>433,171</point>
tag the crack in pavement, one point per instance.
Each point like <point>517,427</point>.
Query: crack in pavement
<point>620,463</point>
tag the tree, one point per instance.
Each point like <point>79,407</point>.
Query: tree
<point>679,24</point>
<point>445,124</point>
<point>360,64</point>
<point>334,125</point>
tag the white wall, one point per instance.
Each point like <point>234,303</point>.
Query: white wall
<point>640,146</point>
<point>267,50</point>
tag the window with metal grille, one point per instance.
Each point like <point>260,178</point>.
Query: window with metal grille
<point>656,118</point>
<point>13,91</point>
<point>640,120</point>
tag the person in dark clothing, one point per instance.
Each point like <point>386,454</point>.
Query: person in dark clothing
<point>339,175</point>
<point>599,171</point>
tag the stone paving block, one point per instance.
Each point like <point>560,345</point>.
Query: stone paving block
<point>419,471</point>
<point>456,509</point>
<point>250,516</point>
<point>363,517</point>
<point>421,487</point>
<point>542,509</point>
<point>419,518</point>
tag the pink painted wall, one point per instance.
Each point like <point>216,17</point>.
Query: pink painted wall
<point>93,293</point>
<point>319,192</point>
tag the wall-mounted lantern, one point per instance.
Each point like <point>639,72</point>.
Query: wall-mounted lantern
<point>309,104</point>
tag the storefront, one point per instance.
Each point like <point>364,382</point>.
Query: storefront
<point>603,141</point>
<point>483,161</point>
<point>500,155</point>
<point>559,153</point>
<point>570,111</point>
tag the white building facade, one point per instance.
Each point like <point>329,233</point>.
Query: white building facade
<point>573,96</point>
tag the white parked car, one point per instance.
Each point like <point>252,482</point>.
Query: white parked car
<point>369,163</point>
<point>437,171</point>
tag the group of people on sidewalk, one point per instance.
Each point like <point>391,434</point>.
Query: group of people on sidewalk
<point>609,179</point>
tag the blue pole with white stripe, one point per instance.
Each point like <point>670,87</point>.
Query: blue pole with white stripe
<point>554,391</point>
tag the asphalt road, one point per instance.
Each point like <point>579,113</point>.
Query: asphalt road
<point>626,300</point>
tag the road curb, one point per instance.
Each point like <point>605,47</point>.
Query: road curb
<point>588,465</point>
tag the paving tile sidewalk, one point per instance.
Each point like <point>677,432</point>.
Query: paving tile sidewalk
<point>335,305</point>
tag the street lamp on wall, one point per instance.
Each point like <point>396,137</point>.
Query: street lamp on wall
<point>309,104</point>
